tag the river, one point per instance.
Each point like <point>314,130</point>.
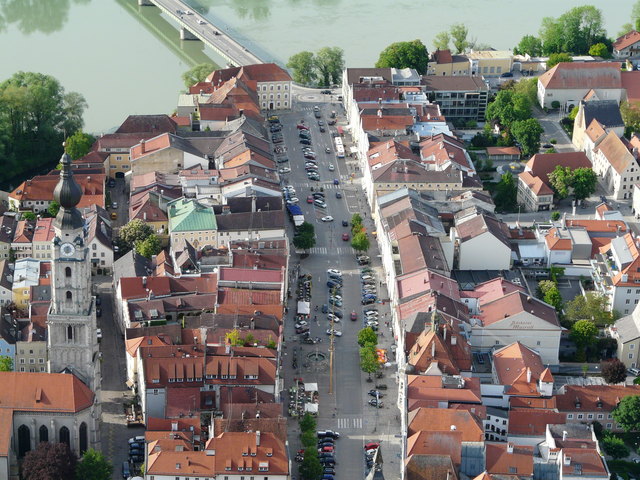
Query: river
<point>127,59</point>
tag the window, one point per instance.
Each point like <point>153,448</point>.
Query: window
<point>538,343</point>
<point>94,247</point>
<point>608,425</point>
<point>631,356</point>
<point>600,416</point>
<point>41,360</point>
<point>580,416</point>
<point>32,361</point>
<point>69,295</point>
<point>590,416</point>
<point>632,346</point>
<point>22,360</point>
<point>69,332</point>
<point>67,272</point>
<point>570,416</point>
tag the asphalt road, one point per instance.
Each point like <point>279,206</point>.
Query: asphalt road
<point>345,409</point>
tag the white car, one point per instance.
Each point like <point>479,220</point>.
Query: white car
<point>337,297</point>
<point>201,22</point>
<point>331,167</point>
<point>99,334</point>
<point>301,324</point>
<point>336,333</point>
<point>328,218</point>
<point>333,271</point>
<point>284,170</point>
<point>188,12</point>
<point>331,316</point>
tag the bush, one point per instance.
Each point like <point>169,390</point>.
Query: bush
<point>555,104</point>
<point>614,447</point>
<point>555,215</point>
<point>553,141</point>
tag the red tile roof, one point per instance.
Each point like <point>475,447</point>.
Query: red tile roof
<point>141,287</point>
<point>542,164</point>
<point>626,40</point>
<point>583,462</point>
<point>631,83</point>
<point>535,184</point>
<point>533,421</point>
<point>591,396</point>
<point>580,75</point>
<point>432,388</point>
<point>512,361</point>
<point>616,152</point>
<point>442,419</point>
<point>503,151</point>
<point>431,348</point>
<point>556,241</point>
<point>514,303</point>
<point>436,443</point>
<point>509,459</point>
<point>40,188</point>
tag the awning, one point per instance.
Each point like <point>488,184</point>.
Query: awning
<point>353,149</point>
<point>304,308</point>
<point>310,387</point>
<point>311,407</point>
<point>129,383</point>
<point>340,131</point>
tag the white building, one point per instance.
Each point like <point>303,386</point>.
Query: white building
<point>482,243</point>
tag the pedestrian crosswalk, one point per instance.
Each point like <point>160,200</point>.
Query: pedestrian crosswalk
<point>349,423</point>
<point>317,185</point>
<point>338,250</point>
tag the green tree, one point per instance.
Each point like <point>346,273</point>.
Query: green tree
<point>329,62</point>
<point>573,113</point>
<point>584,183</point>
<point>249,340</point>
<point>6,363</point>
<point>28,216</point>
<point>592,306</point>
<point>630,115</point>
<point>311,468</point>
<point>556,58</point>
<point>233,338</point>
<point>553,298</point>
<point>360,242</point>
<point>506,198</point>
<point>561,180</point>
<point>527,133</point>
<point>197,74</point>
<point>133,232</point>
<point>305,237</point>
<point>405,55</point>
<point>49,461</point>
<point>368,360</point>
<point>528,88</point>
<point>367,336</point>
<point>54,208</point>
<point>614,447</point>
<point>508,107</point>
<point>308,423</point>
<point>529,45</point>
<point>356,218</point>
<point>441,41</point>
<point>543,287</point>
<point>94,466</point>
<point>584,333</point>
<point>635,15</point>
<point>79,144</point>
<point>624,29</point>
<point>149,247</point>
<point>35,115</point>
<point>308,439</point>
<point>613,371</point>
<point>574,31</point>
<point>555,215</point>
<point>627,413</point>
<point>599,50</point>
<point>303,67</point>
<point>459,33</point>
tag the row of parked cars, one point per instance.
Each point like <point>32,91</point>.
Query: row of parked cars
<point>369,288</point>
<point>334,284</point>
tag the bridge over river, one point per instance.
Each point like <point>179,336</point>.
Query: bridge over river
<point>194,26</point>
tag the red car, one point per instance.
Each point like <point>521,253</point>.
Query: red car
<point>325,449</point>
<point>309,199</point>
<point>302,127</point>
<point>371,446</point>
<point>345,237</point>
<point>354,315</point>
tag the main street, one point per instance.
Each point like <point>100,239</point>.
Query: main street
<point>346,409</point>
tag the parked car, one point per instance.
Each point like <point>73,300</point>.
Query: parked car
<point>332,317</point>
<point>325,308</point>
<point>304,141</point>
<point>333,271</point>
<point>126,470</point>
<point>328,433</point>
<point>309,199</point>
<point>320,203</point>
<point>381,386</point>
<point>376,403</point>
<point>335,301</point>
<point>334,284</point>
<point>302,126</point>
<point>375,393</point>
<point>328,218</point>
<point>369,446</point>
<point>336,333</point>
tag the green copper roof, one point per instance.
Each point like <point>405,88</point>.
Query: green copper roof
<point>189,216</point>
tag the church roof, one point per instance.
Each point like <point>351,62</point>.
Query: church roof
<point>68,194</point>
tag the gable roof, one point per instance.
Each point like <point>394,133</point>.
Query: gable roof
<point>593,398</point>
<point>482,223</point>
<point>626,40</point>
<point>542,164</point>
<point>606,112</point>
<point>154,124</point>
<point>443,419</point>
<point>616,152</point>
<point>595,130</point>
<point>189,215</point>
<point>581,75</point>
<point>529,421</point>
<point>430,348</point>
<point>448,442</point>
<point>535,184</point>
<point>511,361</point>
<point>501,461</point>
<point>514,303</point>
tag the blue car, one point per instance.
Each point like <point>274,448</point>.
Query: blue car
<point>325,308</point>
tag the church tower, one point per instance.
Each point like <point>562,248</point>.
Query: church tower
<point>72,338</point>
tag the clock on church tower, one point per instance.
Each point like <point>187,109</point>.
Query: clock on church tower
<point>72,342</point>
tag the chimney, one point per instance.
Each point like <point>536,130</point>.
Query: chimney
<point>564,220</point>
<point>509,447</point>
<point>564,435</point>
<point>144,216</point>
<point>142,150</point>
<point>174,426</point>
<point>528,375</point>
<point>144,281</point>
<point>253,203</point>
<point>444,333</point>
<point>257,438</point>
<point>454,340</point>
<point>433,349</point>
<point>567,461</point>
<point>453,428</point>
<point>380,113</point>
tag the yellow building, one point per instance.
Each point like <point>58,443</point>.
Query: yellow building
<point>490,63</point>
<point>443,64</point>
<point>25,275</point>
